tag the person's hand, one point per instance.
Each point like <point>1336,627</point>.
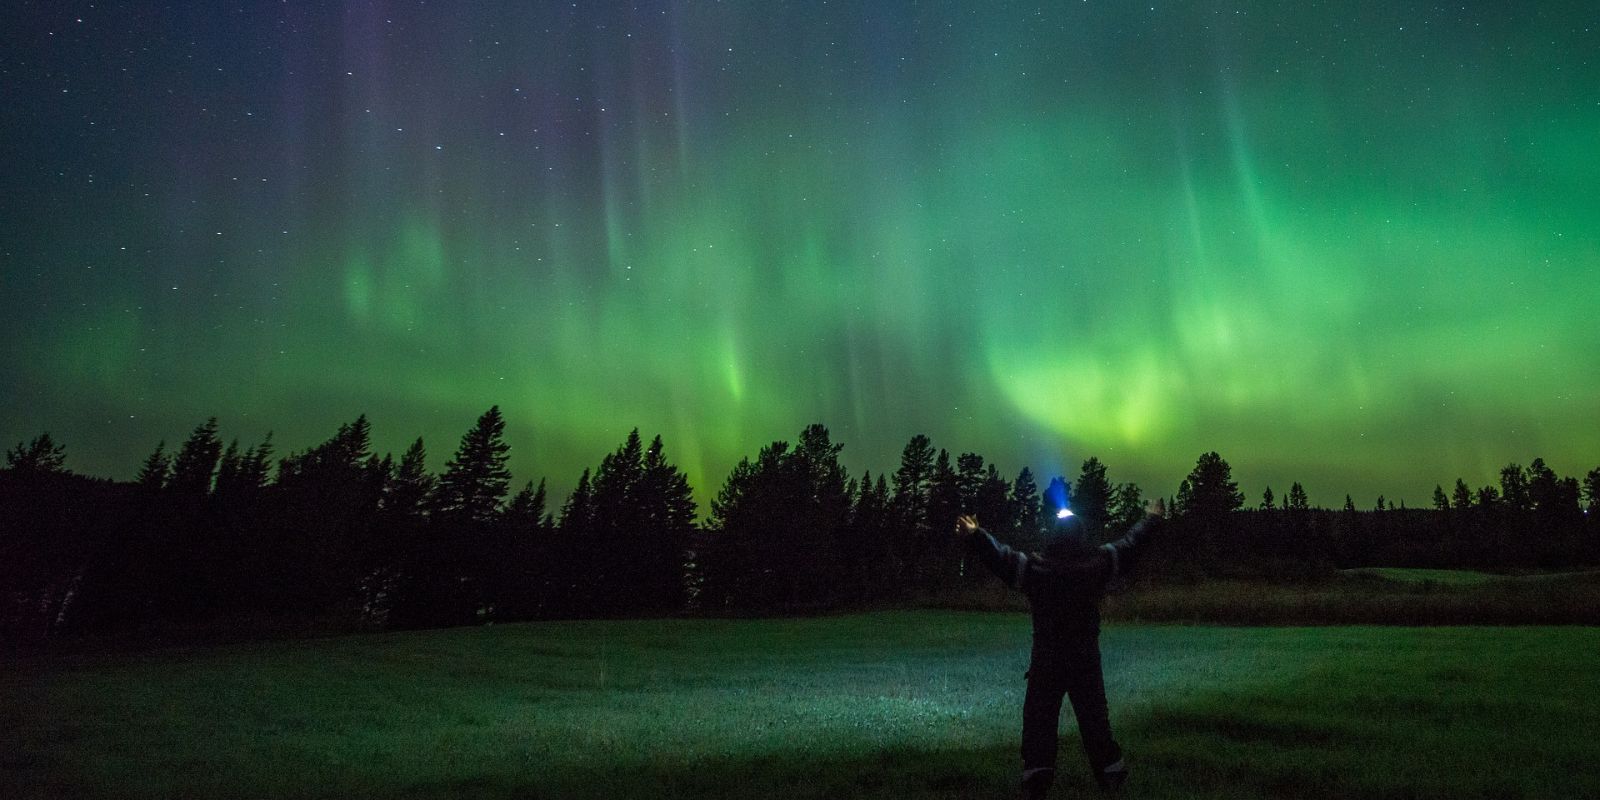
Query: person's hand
<point>966,525</point>
<point>1155,508</point>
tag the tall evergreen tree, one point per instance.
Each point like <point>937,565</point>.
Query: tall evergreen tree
<point>911,483</point>
<point>41,455</point>
<point>157,468</point>
<point>1488,497</point>
<point>1212,490</point>
<point>1514,489</point>
<point>938,558</point>
<point>1461,498</point>
<point>1025,499</point>
<point>1297,498</point>
<point>992,503</point>
<point>525,513</point>
<point>475,480</point>
<point>1440,501</point>
<point>1127,508</point>
<point>196,464</point>
<point>1591,490</point>
<point>969,478</point>
<point>666,529</point>
<point>411,485</point>
<point>1267,500</point>
<point>577,514</point>
<point>1091,497</point>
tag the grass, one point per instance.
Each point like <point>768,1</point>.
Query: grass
<point>897,704</point>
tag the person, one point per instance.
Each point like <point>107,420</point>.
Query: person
<point>1064,585</point>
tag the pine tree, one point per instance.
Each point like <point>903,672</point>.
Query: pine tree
<point>667,526</point>
<point>1091,497</point>
<point>911,484</point>
<point>525,513</point>
<point>1127,509</point>
<point>577,514</point>
<point>1591,490</point>
<point>1488,497</point>
<point>475,480</point>
<point>1440,501</point>
<point>411,484</point>
<point>1267,502</point>
<point>1461,498</point>
<point>39,456</point>
<point>1349,505</point>
<point>1297,498</point>
<point>1514,489</point>
<point>1025,499</point>
<point>992,503</point>
<point>196,464</point>
<point>1212,490</point>
<point>157,469</point>
<point>969,477</point>
<point>1184,499</point>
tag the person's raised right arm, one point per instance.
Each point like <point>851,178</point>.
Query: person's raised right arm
<point>1008,564</point>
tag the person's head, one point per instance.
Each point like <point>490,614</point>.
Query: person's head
<point>1065,532</point>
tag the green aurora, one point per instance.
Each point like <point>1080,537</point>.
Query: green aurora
<point>1357,248</point>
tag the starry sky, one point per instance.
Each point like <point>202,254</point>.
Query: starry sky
<point>1351,244</point>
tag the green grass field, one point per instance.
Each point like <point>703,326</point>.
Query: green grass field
<point>892,705</point>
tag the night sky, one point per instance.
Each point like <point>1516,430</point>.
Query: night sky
<point>1353,244</point>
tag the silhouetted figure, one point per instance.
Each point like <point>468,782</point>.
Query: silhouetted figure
<point>1064,585</point>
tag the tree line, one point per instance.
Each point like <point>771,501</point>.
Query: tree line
<point>337,535</point>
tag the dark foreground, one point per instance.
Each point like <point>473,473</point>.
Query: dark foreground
<point>902,704</point>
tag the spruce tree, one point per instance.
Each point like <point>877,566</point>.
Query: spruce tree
<point>411,485</point>
<point>39,456</point>
<point>1091,496</point>
<point>196,464</point>
<point>1212,490</point>
<point>1440,501</point>
<point>1297,498</point>
<point>1025,499</point>
<point>475,480</point>
<point>157,469</point>
<point>1267,503</point>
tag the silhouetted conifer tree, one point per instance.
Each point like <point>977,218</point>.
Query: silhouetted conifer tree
<point>39,456</point>
<point>940,560</point>
<point>1268,503</point>
<point>1462,496</point>
<point>1514,489</point>
<point>1440,501</point>
<point>1488,498</point>
<point>1127,508</point>
<point>156,470</point>
<point>411,485</point>
<point>196,463</point>
<point>1025,499</point>
<point>1091,498</point>
<point>1211,487</point>
<point>1297,498</point>
<point>475,480</point>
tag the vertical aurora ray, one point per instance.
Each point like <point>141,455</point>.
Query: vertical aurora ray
<point>1349,247</point>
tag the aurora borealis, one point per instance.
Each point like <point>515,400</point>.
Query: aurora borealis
<point>1355,245</point>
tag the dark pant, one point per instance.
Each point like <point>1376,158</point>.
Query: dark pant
<point>1074,671</point>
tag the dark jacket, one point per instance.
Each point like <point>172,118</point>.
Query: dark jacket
<point>1064,584</point>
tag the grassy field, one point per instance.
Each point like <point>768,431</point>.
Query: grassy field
<point>897,704</point>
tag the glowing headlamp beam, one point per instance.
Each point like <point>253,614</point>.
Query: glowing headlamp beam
<point>1064,513</point>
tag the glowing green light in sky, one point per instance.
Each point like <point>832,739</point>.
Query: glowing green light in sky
<point>1339,245</point>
